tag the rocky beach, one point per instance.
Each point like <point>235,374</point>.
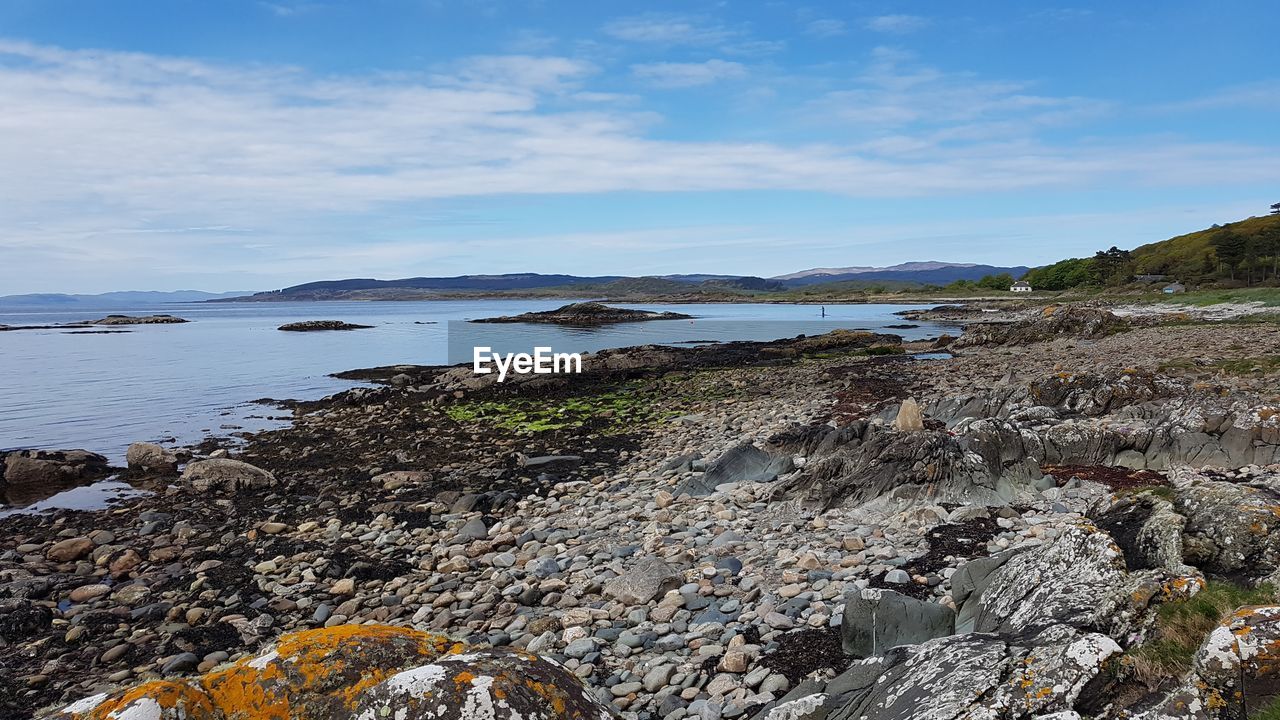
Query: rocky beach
<point>1064,512</point>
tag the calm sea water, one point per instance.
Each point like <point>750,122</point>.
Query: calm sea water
<point>181,383</point>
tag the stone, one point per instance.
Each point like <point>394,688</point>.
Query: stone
<point>909,418</point>
<point>647,579</point>
<point>85,593</point>
<point>145,457</point>
<point>223,475</point>
<point>69,550</point>
<point>876,620</point>
<point>741,463</point>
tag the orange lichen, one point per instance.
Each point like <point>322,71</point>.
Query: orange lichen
<point>179,697</point>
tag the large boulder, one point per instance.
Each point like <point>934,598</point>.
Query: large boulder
<point>225,475</point>
<point>741,463</point>
<point>649,578</point>
<point>877,620</point>
<point>359,671</point>
<point>973,675</point>
<point>1231,529</point>
<point>1148,531</point>
<point>145,457</point>
<point>30,475</point>
<point>985,466</point>
<point>1079,579</point>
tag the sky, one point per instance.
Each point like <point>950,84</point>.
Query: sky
<point>245,145</point>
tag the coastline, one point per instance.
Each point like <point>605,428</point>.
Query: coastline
<point>501,515</point>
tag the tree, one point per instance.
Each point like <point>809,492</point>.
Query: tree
<point>1231,248</point>
<point>1114,266</point>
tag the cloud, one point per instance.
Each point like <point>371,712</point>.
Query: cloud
<point>896,24</point>
<point>896,95</point>
<point>667,29</point>
<point>1264,95</point>
<point>117,156</point>
<point>290,9</point>
<point>826,28</point>
<point>682,75</point>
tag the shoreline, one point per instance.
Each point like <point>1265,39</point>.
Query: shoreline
<point>502,514</point>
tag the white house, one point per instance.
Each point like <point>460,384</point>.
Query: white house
<point>1020,286</point>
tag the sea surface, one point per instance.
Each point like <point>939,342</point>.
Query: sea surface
<point>177,384</point>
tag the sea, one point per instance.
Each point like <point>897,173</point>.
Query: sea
<point>178,384</point>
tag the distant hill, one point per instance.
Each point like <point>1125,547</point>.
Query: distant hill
<point>115,299</point>
<point>924,273</point>
<point>1192,255</point>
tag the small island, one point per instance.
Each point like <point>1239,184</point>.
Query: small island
<point>586,314</point>
<point>320,325</point>
<point>137,320</point>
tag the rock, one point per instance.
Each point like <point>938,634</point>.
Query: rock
<point>1078,579</point>
<point>145,457</point>
<point>69,550</point>
<point>226,476</point>
<point>1231,529</point>
<point>586,314</point>
<point>137,320</point>
<point>648,578</point>
<point>320,325</point>
<point>1148,532</point>
<point>909,418</point>
<point>397,479</point>
<point>21,619</point>
<point>1077,321</point>
<point>742,463</point>
<point>85,593</point>
<point>353,671</point>
<point>27,476</point>
<point>877,620</point>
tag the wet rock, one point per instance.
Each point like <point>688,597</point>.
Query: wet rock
<point>223,475</point>
<point>27,476</point>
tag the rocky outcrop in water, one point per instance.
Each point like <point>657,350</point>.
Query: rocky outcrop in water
<point>586,314</point>
<point>320,326</point>
<point>30,475</point>
<point>137,320</point>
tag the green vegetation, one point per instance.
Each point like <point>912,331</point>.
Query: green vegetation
<point>1160,491</point>
<point>626,406</point>
<point>1261,365</point>
<point>1245,252</point>
<point>616,409</point>
<point>1270,712</point>
<point>1183,625</point>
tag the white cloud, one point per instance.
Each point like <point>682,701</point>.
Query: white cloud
<point>121,161</point>
<point>682,75</point>
<point>898,24</point>
<point>666,29</point>
<point>826,28</point>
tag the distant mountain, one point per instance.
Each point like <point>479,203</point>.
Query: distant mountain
<point>112,299</point>
<point>925,273</point>
<point>333,289</point>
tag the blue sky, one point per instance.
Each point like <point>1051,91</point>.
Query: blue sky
<point>251,145</point>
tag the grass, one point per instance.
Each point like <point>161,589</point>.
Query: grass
<point>1183,625</point>
<point>1270,712</point>
<point>1269,297</point>
<point>1260,365</point>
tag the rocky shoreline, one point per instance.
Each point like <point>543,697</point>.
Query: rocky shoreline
<point>795,530</point>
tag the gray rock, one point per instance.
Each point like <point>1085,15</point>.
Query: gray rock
<point>648,578</point>
<point>225,475</point>
<point>877,620</point>
<point>741,463</point>
<point>150,458</point>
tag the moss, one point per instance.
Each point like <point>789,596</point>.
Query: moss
<point>616,409</point>
<point>1182,627</point>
